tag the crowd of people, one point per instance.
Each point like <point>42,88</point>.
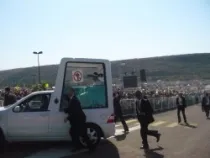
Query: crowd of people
<point>21,92</point>
<point>129,94</point>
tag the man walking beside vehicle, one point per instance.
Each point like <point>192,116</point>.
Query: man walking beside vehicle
<point>77,120</point>
<point>145,116</point>
<point>118,111</point>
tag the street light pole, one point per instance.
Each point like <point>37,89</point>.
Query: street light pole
<point>39,75</point>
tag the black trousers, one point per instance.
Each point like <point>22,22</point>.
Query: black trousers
<point>80,131</point>
<point>120,117</point>
<point>206,109</point>
<point>179,110</point>
<point>145,132</point>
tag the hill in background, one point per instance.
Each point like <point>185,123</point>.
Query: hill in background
<point>179,67</point>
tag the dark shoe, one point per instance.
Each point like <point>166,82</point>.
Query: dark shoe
<point>144,147</point>
<point>158,137</point>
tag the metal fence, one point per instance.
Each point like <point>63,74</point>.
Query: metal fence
<point>1,103</point>
<point>159,104</point>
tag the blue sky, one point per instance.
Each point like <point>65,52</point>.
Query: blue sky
<point>110,29</point>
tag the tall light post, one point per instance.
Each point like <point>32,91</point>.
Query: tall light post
<point>122,65</point>
<point>38,53</point>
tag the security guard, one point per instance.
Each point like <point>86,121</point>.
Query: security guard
<point>145,116</point>
<point>206,104</point>
<point>181,106</point>
<point>118,111</point>
<point>77,120</point>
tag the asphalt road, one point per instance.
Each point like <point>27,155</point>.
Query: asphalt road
<point>183,141</point>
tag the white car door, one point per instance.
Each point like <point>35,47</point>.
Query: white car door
<point>32,120</point>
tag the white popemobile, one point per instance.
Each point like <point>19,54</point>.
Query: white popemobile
<point>40,117</point>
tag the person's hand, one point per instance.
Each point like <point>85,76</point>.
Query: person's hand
<point>65,120</point>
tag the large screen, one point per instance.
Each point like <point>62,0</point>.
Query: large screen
<point>130,81</point>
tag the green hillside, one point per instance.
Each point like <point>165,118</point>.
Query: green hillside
<point>180,67</point>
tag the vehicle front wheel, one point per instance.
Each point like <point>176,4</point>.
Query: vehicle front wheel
<point>94,134</point>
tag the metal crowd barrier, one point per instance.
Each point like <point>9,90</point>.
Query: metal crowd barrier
<point>159,104</point>
<point>1,103</point>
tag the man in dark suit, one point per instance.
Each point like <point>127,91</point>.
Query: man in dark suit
<point>206,104</point>
<point>118,111</point>
<point>181,105</point>
<point>77,120</point>
<point>9,98</point>
<point>145,116</point>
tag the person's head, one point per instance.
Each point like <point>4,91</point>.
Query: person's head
<point>138,94</point>
<point>7,90</point>
<point>180,94</point>
<point>116,95</point>
<point>207,94</point>
<point>71,92</point>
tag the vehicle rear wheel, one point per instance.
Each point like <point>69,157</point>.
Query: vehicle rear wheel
<point>94,134</point>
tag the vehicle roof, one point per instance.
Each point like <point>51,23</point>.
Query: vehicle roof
<point>84,59</point>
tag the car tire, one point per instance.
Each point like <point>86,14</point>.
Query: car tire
<point>94,133</point>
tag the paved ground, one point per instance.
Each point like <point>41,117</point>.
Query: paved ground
<point>191,141</point>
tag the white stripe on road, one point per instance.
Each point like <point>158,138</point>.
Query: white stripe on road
<point>121,131</point>
<point>158,123</point>
<point>172,125</point>
<point>128,122</point>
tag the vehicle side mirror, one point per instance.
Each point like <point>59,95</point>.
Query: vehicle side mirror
<point>17,109</point>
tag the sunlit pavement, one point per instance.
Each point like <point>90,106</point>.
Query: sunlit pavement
<point>192,141</point>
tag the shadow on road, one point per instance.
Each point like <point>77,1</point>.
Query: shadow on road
<point>152,154</point>
<point>105,150</point>
<point>189,125</point>
<point>20,150</point>
<point>120,137</point>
